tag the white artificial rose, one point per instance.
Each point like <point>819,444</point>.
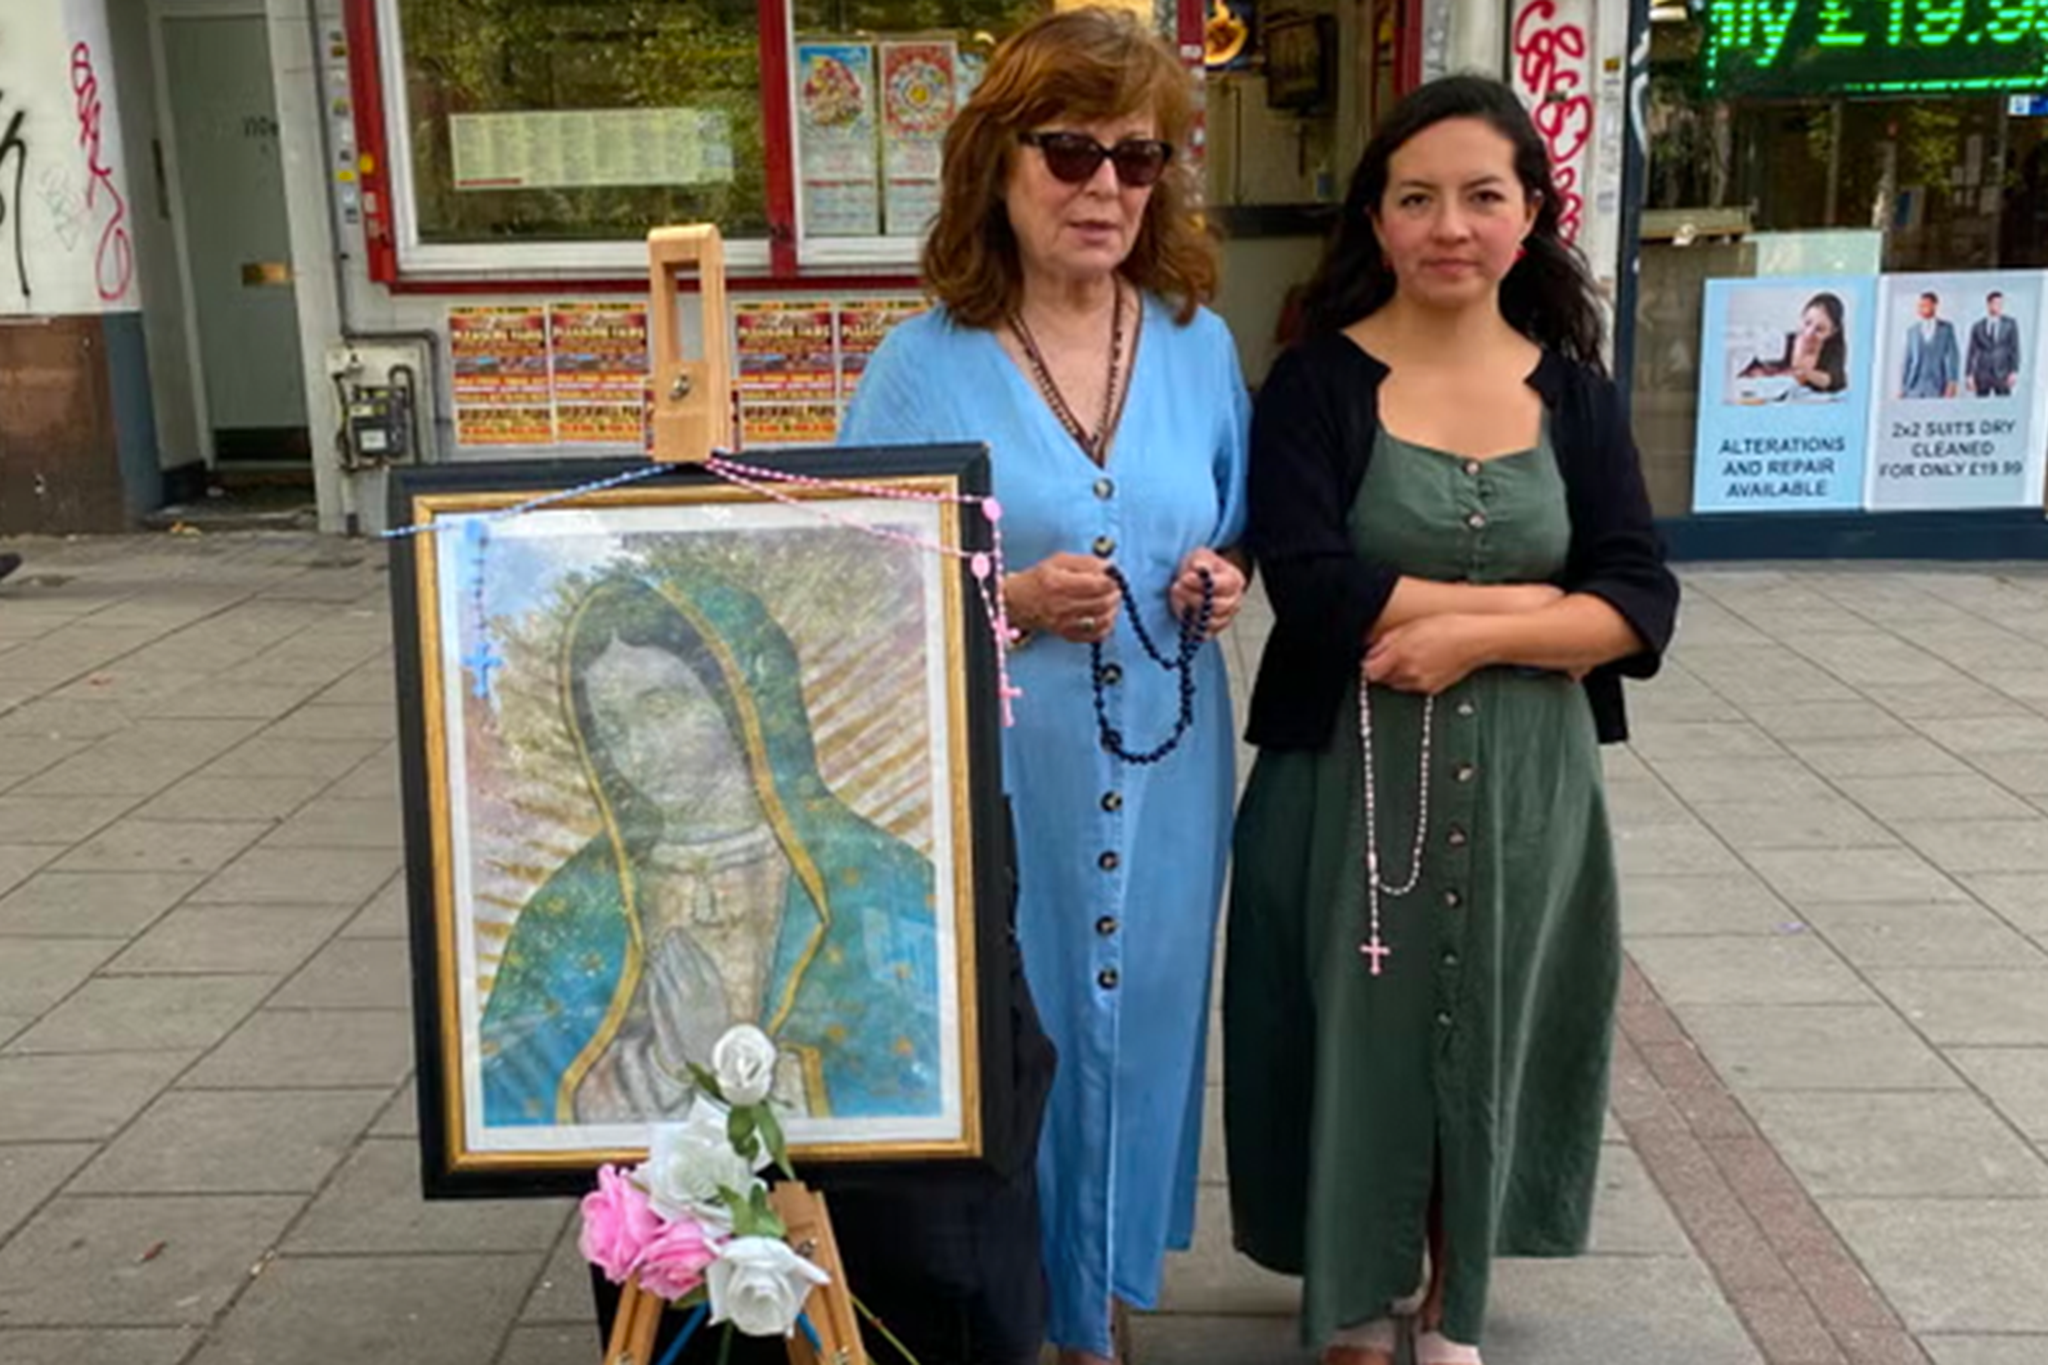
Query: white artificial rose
<point>759,1285</point>
<point>744,1062</point>
<point>689,1162</point>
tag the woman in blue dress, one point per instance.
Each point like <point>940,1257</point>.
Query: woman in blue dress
<point>1069,335</point>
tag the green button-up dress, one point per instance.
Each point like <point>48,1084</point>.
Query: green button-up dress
<point>1482,1048</point>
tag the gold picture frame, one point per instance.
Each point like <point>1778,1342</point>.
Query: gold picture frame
<point>678,756</point>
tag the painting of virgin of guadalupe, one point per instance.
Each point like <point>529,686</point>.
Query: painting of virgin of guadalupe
<point>687,763</point>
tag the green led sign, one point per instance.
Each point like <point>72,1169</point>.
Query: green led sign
<point>1876,47</point>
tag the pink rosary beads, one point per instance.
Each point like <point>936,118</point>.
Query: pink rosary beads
<point>986,566</point>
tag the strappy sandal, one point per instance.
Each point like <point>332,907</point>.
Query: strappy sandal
<point>1434,1348</point>
<point>1352,1345</point>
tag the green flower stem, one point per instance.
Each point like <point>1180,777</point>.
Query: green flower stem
<point>883,1328</point>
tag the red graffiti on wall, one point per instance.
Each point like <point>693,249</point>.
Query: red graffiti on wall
<point>114,259</point>
<point>1550,75</point>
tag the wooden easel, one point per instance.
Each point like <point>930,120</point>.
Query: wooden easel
<point>692,398</point>
<point>829,1307</point>
<point>693,417</point>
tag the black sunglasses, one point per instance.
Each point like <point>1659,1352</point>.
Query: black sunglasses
<point>1075,157</point>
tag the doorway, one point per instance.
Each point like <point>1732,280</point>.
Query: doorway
<point>230,191</point>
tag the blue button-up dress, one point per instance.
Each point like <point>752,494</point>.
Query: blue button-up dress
<point>1121,865</point>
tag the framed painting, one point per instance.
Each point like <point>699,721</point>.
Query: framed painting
<point>678,756</point>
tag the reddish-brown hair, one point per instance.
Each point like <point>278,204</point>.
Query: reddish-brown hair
<point>1084,65</point>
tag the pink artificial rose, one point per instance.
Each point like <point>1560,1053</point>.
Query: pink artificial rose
<point>672,1262</point>
<point>617,1224</point>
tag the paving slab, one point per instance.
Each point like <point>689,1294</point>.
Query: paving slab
<point>1936,934</point>
<point>373,1207</point>
<point>1612,1308</point>
<point>30,1172</point>
<point>99,1346</point>
<point>91,904</point>
<point>256,940</point>
<point>145,1014</point>
<point>554,1344</point>
<point>1739,904</point>
<point>35,974</point>
<point>1824,720</point>
<point>233,1142</point>
<point>2020,899</point>
<point>1672,851</point>
<point>1809,876</point>
<point>1949,1145</point>
<point>2002,1350</point>
<point>2024,771</point>
<point>1954,1265</point>
<point>1785,969</point>
<point>562,1294</point>
<point>1817,1048</point>
<point>2014,1080</point>
<point>289,1049</point>
<point>57,819</point>
<point>19,862</point>
<point>234,798</point>
<point>386,916</point>
<point>331,720</point>
<point>1971,1005</point>
<point>338,823</point>
<point>60,1098</point>
<point>290,876</point>
<point>1956,796</point>
<point>449,1310</point>
<point>352,974</point>
<point>1890,756</point>
<point>1819,823</point>
<point>137,845</point>
<point>1981,845</point>
<point>160,1262</point>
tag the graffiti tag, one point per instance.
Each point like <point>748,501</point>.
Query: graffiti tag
<point>114,257</point>
<point>1550,59</point>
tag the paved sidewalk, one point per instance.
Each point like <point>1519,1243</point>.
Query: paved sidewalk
<point>1831,1106</point>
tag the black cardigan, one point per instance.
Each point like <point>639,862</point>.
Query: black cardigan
<point>1313,432</point>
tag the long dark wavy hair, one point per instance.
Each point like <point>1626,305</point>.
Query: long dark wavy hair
<point>1548,296</point>
<point>1834,352</point>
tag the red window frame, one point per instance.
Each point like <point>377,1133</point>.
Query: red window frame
<point>367,93</point>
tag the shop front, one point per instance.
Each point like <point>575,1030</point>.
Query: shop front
<point>1838,342</point>
<point>499,163</point>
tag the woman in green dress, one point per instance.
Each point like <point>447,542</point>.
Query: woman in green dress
<point>1424,946</point>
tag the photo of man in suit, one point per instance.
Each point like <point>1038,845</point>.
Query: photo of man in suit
<point>1933,366</point>
<point>1993,364</point>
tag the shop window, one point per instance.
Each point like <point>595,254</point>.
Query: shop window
<point>544,121</point>
<point>875,84</point>
<point>546,136</point>
<point>1782,149</point>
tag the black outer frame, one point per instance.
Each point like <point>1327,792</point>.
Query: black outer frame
<point>993,875</point>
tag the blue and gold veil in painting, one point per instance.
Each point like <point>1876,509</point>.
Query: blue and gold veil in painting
<point>852,985</point>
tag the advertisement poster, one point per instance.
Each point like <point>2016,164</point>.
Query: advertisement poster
<point>862,325</point>
<point>837,139</point>
<point>1785,367</point>
<point>786,376</point>
<point>598,360</point>
<point>918,81</point>
<point>1957,420</point>
<point>501,387</point>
